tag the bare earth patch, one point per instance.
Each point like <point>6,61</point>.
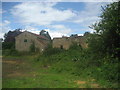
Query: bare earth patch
<point>83,83</point>
<point>15,68</point>
<point>93,80</point>
<point>18,74</point>
<point>80,82</point>
<point>95,85</point>
<point>10,62</point>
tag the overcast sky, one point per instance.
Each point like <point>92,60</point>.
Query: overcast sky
<point>58,18</point>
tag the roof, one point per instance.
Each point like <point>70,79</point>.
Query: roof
<point>68,37</point>
<point>39,36</point>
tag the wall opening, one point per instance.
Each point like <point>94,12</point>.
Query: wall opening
<point>25,40</point>
<point>61,46</point>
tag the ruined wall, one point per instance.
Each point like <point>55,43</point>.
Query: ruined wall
<point>25,40</point>
<point>66,42</point>
<point>79,40</point>
<point>61,42</point>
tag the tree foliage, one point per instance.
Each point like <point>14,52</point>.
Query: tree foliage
<point>107,34</point>
<point>9,39</point>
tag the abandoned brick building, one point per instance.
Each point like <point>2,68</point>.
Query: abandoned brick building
<point>24,41</point>
<point>66,42</point>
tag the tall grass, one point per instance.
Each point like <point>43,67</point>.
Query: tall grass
<point>81,62</point>
<point>77,61</point>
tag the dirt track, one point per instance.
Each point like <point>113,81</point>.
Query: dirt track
<point>13,68</point>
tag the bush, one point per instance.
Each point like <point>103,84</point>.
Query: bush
<point>12,52</point>
<point>75,46</point>
<point>8,45</point>
<point>109,72</point>
<point>81,62</point>
<point>32,47</point>
<point>51,51</point>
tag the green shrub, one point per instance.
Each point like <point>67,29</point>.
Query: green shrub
<point>75,46</point>
<point>78,61</point>
<point>32,47</point>
<point>8,45</point>
<point>108,72</point>
<point>12,52</point>
<point>51,51</point>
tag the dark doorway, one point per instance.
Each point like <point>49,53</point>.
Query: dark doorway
<point>25,40</point>
<point>61,46</point>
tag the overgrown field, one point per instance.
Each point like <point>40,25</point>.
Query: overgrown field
<point>96,66</point>
<point>26,72</point>
<point>56,68</point>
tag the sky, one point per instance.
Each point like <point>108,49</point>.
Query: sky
<point>58,18</point>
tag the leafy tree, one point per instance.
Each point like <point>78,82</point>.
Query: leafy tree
<point>9,39</point>
<point>1,43</point>
<point>105,43</point>
<point>45,34</point>
<point>107,34</point>
<point>10,36</point>
<point>86,33</point>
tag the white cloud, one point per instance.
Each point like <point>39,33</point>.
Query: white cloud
<point>59,30</point>
<point>1,35</point>
<point>89,15</point>
<point>0,11</point>
<point>5,27</point>
<point>0,25</point>
<point>62,29</point>
<point>88,30</point>
<point>85,15</point>
<point>54,30</point>
<point>55,33</point>
<point>45,14</point>
<point>86,20</point>
<point>59,0</point>
<point>5,23</point>
<point>31,29</point>
<point>80,34</point>
<point>51,32</point>
<point>40,13</point>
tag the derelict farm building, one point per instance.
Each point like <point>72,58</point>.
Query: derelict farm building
<point>66,42</point>
<point>24,41</point>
